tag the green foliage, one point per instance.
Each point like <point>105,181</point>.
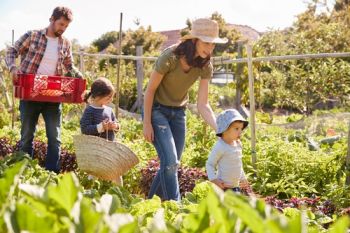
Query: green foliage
<point>61,206</point>
<point>225,31</point>
<point>282,171</point>
<point>5,117</point>
<point>199,140</point>
<point>264,117</point>
<point>105,40</point>
<point>294,117</point>
<point>150,41</point>
<point>144,208</point>
<point>285,168</point>
<point>305,85</point>
<point>199,192</point>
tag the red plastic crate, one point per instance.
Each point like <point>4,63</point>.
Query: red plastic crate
<point>49,88</point>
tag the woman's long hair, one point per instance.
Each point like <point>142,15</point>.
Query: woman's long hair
<point>187,49</point>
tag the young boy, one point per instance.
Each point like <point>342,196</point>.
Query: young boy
<point>224,164</point>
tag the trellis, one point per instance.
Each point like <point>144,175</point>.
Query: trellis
<point>249,60</point>
<point>220,60</point>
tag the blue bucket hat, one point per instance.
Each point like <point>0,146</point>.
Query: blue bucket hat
<point>224,120</point>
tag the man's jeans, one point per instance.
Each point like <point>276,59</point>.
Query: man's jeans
<point>169,126</point>
<point>51,113</point>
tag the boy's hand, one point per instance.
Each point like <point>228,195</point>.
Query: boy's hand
<point>114,125</point>
<point>105,124</point>
<point>244,185</point>
<point>219,183</point>
<point>110,125</point>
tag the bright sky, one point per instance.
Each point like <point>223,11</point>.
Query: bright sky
<point>94,18</point>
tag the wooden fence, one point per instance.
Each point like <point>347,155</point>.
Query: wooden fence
<point>249,60</point>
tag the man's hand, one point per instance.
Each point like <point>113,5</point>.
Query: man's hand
<point>14,75</point>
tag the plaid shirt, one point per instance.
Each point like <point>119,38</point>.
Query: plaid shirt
<point>31,46</point>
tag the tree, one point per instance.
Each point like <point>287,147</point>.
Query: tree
<point>224,31</point>
<point>108,42</point>
<point>105,40</point>
<point>304,84</point>
<point>341,5</point>
<point>150,41</point>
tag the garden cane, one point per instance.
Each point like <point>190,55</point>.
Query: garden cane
<point>13,90</point>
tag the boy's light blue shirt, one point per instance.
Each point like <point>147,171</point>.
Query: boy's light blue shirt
<point>225,163</point>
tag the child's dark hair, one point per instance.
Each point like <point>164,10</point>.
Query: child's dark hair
<point>101,87</point>
<point>187,49</point>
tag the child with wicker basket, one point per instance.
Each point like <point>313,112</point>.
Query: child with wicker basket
<point>98,119</point>
<point>97,152</point>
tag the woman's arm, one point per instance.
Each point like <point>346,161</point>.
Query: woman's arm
<point>203,106</point>
<point>153,84</point>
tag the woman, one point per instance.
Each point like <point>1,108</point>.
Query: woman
<point>164,123</point>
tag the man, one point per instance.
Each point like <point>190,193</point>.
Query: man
<point>43,52</point>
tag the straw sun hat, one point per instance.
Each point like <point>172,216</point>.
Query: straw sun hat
<point>206,30</point>
<point>102,158</point>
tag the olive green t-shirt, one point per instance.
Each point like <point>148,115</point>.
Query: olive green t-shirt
<point>173,89</point>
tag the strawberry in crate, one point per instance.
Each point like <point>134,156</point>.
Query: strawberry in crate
<point>51,92</point>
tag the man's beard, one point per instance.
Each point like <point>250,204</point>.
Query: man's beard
<point>58,33</point>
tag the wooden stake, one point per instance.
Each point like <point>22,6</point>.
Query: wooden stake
<point>118,67</point>
<point>139,75</point>
<point>251,104</point>
<point>13,90</point>
<point>347,181</point>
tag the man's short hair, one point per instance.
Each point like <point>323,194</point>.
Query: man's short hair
<point>62,11</point>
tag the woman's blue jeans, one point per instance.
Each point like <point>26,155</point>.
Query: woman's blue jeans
<point>51,112</point>
<point>169,126</point>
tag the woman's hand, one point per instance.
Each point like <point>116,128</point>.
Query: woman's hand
<point>148,132</point>
<point>152,86</point>
<point>203,106</point>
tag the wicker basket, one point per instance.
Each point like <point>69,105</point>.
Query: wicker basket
<point>102,158</point>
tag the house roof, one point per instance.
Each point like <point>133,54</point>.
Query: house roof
<point>172,37</point>
<point>249,33</point>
